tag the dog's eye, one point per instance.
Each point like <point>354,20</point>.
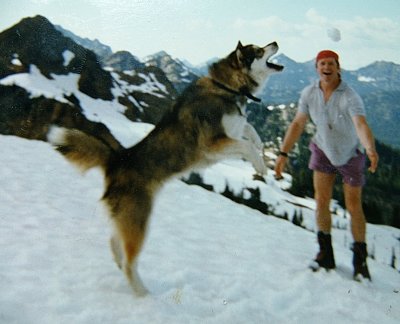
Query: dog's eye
<point>259,53</point>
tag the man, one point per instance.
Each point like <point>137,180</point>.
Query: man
<point>342,134</point>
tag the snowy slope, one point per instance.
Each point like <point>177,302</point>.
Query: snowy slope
<point>206,260</point>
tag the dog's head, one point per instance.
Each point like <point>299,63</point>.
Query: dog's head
<point>247,68</point>
<point>255,60</point>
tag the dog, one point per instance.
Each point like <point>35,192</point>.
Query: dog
<point>206,124</point>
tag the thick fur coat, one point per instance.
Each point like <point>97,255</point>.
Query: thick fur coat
<point>206,124</point>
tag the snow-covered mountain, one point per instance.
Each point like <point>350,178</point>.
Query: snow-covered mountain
<point>123,61</point>
<point>177,72</point>
<point>377,83</point>
<point>46,77</point>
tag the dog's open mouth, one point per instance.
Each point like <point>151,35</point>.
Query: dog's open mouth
<point>272,49</point>
<point>274,66</point>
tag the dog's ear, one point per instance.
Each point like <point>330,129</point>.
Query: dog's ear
<point>239,53</point>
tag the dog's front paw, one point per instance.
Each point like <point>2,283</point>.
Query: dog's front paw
<point>260,166</point>
<point>251,135</point>
<point>258,144</point>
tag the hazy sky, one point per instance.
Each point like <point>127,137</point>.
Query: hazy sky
<point>198,30</point>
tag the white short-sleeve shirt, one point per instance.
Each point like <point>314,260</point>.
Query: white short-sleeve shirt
<point>336,134</point>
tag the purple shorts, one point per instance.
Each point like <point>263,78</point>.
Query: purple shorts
<point>353,172</point>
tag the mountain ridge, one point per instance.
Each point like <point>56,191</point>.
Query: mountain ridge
<point>34,48</point>
<point>47,78</point>
<point>378,84</point>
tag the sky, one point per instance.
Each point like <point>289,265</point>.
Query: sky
<point>198,30</point>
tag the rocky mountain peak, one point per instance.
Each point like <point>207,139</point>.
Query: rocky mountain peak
<point>46,78</point>
<point>177,72</point>
<point>35,41</point>
<point>123,61</point>
<point>101,50</point>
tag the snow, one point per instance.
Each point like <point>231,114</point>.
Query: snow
<point>206,258</point>
<point>68,57</point>
<point>15,60</point>
<point>38,85</point>
<point>110,113</point>
<point>150,85</point>
<point>362,78</point>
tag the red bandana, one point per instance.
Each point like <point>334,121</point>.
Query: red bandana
<point>326,54</point>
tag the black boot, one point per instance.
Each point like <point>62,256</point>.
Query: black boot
<point>360,261</point>
<point>325,258</point>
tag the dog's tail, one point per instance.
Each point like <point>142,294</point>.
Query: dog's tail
<point>80,148</point>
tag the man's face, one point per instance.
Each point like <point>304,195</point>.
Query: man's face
<point>328,69</point>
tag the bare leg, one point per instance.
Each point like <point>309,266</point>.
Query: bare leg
<point>353,202</point>
<point>323,187</point>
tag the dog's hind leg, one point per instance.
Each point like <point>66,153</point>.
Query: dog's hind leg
<point>130,220</point>
<point>132,248</point>
<point>116,250</point>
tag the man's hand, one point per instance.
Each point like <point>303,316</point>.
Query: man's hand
<point>279,166</point>
<point>373,158</point>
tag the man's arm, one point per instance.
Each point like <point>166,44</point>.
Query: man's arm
<point>293,133</point>
<point>367,140</point>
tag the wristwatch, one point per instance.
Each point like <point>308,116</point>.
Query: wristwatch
<point>283,154</point>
